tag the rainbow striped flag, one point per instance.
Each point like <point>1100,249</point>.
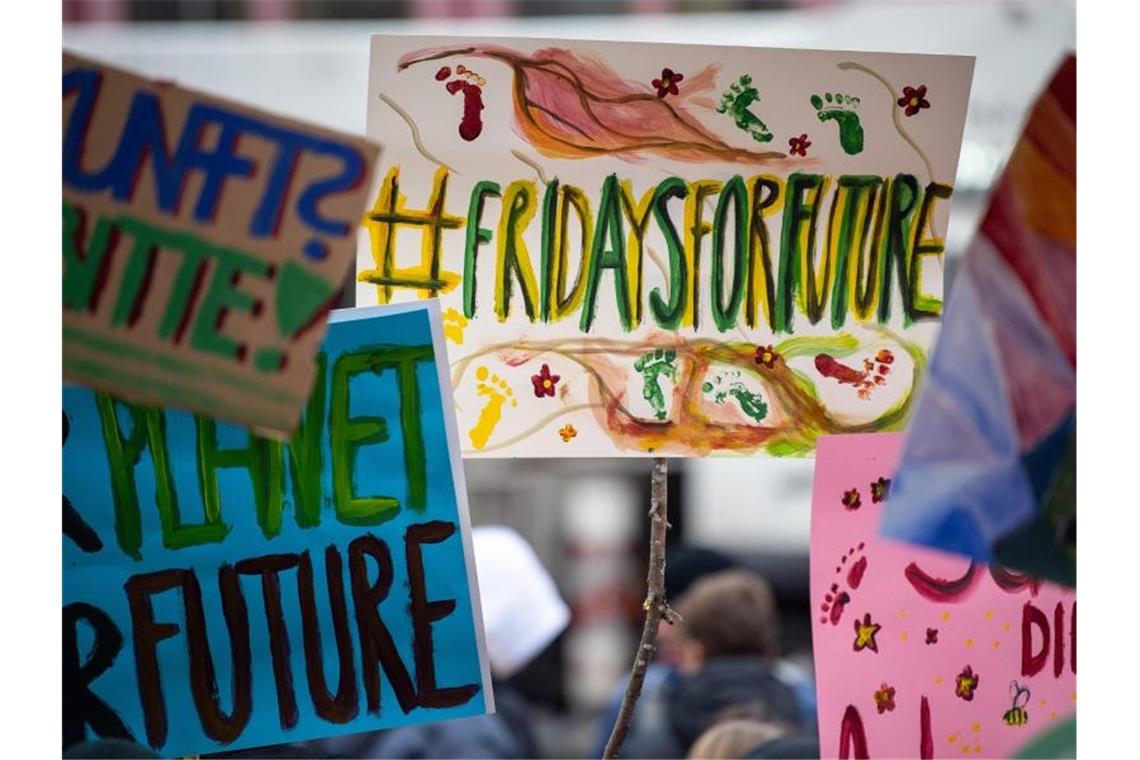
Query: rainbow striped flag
<point>989,465</point>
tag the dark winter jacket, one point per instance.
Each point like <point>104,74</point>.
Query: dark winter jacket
<point>696,702</point>
<point>505,734</point>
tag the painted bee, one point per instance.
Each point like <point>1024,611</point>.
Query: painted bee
<point>1017,715</point>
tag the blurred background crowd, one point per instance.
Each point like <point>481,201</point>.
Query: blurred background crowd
<point>561,648</point>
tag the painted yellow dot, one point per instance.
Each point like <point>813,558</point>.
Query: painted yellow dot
<point>1053,715</point>
<point>969,643</point>
<point>977,749</point>
<point>904,636</point>
<point>989,614</point>
<point>996,643</point>
<point>976,727</point>
<point>1073,696</point>
<point>1042,702</point>
<point>952,738</point>
<point>937,679</point>
<point>902,614</point>
<point>481,373</point>
<point>1005,626</point>
<point>946,615</point>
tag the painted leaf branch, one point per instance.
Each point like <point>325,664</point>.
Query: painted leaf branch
<point>571,105</point>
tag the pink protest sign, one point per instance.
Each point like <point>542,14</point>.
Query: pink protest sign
<point>920,653</point>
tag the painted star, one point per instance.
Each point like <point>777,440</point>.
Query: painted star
<point>880,489</point>
<point>865,632</point>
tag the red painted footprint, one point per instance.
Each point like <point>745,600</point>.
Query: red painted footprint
<point>471,126</point>
<point>837,599</point>
<point>864,381</point>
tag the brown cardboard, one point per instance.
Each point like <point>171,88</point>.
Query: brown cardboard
<point>201,256</point>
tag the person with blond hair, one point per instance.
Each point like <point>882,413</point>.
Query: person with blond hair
<point>734,739</point>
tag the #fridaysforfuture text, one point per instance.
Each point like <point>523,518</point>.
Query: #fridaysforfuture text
<point>665,249</point>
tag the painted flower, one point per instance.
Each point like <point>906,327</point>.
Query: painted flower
<point>914,99</point>
<point>767,356</point>
<point>885,698</point>
<point>852,500</point>
<point>884,356</point>
<point>667,84</point>
<point>544,382</point>
<point>880,490</point>
<point>865,631</point>
<point>798,146</point>
<point>966,683</point>
<point>931,635</point>
<point>567,432</point>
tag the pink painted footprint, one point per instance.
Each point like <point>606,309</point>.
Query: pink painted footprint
<point>471,126</point>
<point>837,598</point>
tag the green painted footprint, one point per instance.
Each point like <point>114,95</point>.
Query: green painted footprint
<point>715,389</point>
<point>841,109</point>
<point>735,102</point>
<point>751,403</point>
<point>651,366</point>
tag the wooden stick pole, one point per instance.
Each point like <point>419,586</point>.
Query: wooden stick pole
<point>656,607</point>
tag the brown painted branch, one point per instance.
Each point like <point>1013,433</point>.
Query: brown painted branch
<point>656,607</point>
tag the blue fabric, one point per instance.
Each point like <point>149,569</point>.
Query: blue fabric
<point>980,449</point>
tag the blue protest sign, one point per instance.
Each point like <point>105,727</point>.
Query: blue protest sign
<point>223,590</point>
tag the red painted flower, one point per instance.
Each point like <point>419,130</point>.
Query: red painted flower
<point>767,356</point>
<point>914,99</point>
<point>544,382</point>
<point>852,500</point>
<point>667,84</point>
<point>880,490</point>
<point>799,145</point>
<point>885,698</point>
<point>965,684</point>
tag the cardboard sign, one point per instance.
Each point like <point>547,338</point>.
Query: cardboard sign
<point>222,590</point>
<point>989,468</point>
<point>665,249</point>
<point>203,245</point>
<point>920,653</point>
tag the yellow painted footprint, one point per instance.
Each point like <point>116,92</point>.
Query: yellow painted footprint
<point>453,324</point>
<point>497,392</point>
